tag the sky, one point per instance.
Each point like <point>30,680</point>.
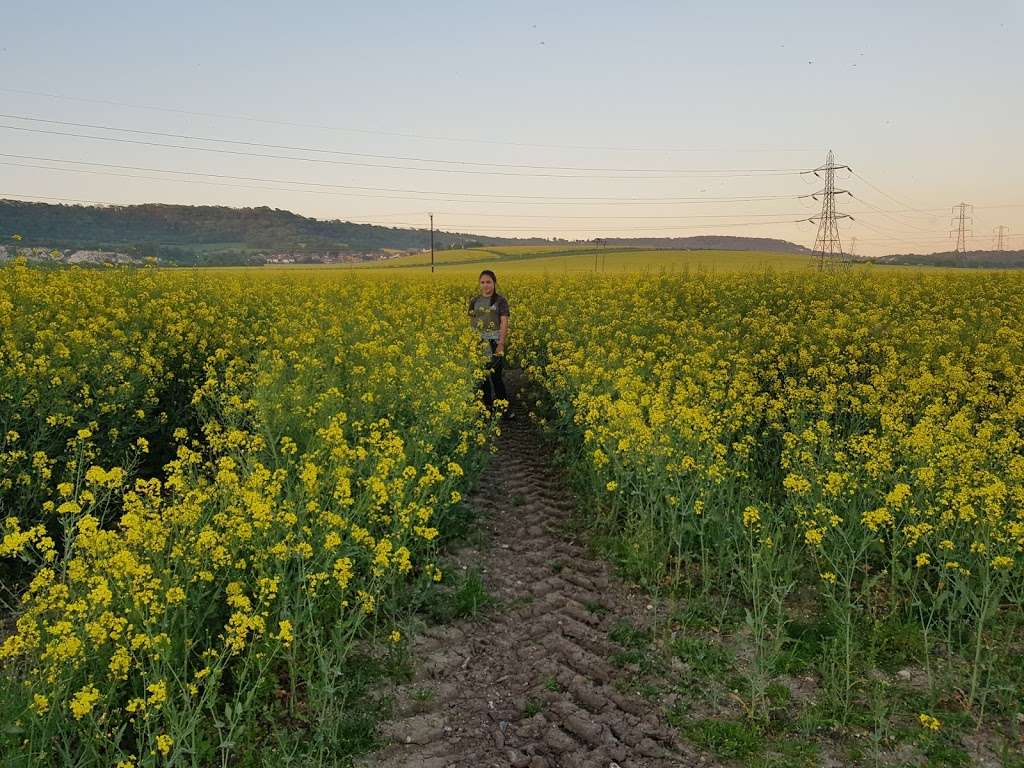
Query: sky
<point>572,119</point>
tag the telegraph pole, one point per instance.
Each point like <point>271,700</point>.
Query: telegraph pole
<point>1000,233</point>
<point>828,248</point>
<point>961,222</point>
<point>431,243</point>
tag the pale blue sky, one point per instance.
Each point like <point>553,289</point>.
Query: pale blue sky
<point>921,98</point>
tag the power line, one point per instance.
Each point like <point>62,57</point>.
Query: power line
<point>926,241</point>
<point>470,214</point>
<point>519,199</point>
<point>503,228</point>
<point>886,194</point>
<point>360,164</point>
<point>943,210</point>
<point>406,158</point>
<point>641,229</point>
<point>920,241</point>
<point>611,216</point>
<point>502,197</point>
<point>890,236</point>
<point>397,134</point>
<point>923,241</point>
<point>876,209</point>
<point>447,213</point>
<point>824,228</point>
<point>896,217</point>
<point>888,230</point>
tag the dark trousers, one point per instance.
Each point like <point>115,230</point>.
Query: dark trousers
<point>494,386</point>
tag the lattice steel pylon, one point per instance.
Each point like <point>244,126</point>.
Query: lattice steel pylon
<point>828,247</point>
<point>962,220</point>
<point>1000,233</point>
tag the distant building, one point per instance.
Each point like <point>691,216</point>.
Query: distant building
<point>99,257</point>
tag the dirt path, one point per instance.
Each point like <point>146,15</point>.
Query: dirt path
<point>531,684</point>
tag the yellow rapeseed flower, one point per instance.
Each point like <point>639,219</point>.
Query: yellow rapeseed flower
<point>83,701</point>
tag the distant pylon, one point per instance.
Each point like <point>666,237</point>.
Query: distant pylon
<point>961,223</point>
<point>828,248</point>
<point>853,246</point>
<point>1000,233</point>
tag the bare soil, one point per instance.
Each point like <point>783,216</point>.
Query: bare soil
<point>530,683</point>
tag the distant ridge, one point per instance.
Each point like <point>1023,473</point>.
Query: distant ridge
<point>203,234</point>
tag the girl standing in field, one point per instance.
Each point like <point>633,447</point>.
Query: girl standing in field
<point>488,316</point>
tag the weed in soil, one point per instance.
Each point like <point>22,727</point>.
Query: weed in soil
<point>463,597</point>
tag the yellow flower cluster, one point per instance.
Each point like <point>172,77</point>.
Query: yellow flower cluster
<point>92,368</point>
<point>875,421</point>
<point>313,432</point>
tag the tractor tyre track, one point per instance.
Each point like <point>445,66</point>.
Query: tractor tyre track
<point>530,685</point>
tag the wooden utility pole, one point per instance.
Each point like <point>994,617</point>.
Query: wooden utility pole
<point>431,243</point>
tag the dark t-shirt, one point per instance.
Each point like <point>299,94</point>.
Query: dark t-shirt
<point>485,315</point>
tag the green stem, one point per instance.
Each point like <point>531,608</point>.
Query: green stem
<point>978,634</point>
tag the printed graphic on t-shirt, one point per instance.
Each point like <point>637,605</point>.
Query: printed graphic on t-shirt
<point>484,318</point>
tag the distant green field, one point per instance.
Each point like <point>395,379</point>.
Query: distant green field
<point>556,258</point>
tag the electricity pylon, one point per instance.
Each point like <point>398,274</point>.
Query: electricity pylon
<point>1000,233</point>
<point>828,248</point>
<point>962,220</point>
